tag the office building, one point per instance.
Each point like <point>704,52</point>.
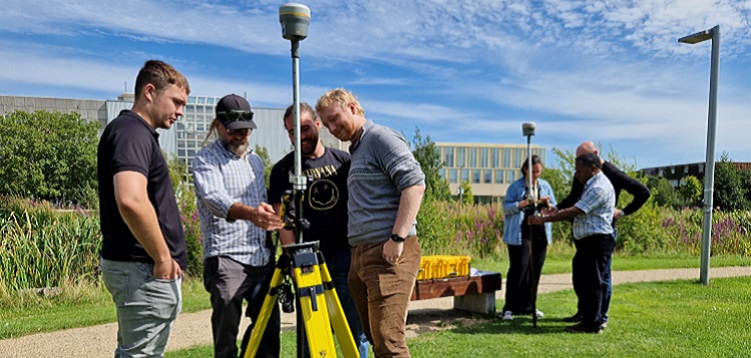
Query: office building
<point>488,168</point>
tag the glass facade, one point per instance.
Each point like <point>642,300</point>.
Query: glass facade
<point>193,127</point>
<point>488,168</point>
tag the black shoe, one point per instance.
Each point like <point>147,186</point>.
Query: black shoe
<point>581,328</point>
<point>573,319</point>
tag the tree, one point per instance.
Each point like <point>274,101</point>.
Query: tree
<point>663,192</point>
<point>466,197</point>
<point>558,181</point>
<point>430,161</point>
<point>690,191</point>
<point>49,155</point>
<point>267,165</point>
<point>729,192</point>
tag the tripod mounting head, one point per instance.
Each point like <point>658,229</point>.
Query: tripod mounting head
<point>289,216</point>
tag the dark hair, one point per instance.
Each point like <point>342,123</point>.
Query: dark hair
<point>159,74</point>
<point>590,159</point>
<point>535,160</point>
<point>304,107</point>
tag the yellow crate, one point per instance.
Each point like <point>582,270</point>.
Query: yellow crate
<point>443,266</point>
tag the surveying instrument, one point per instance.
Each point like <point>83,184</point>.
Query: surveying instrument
<point>528,129</point>
<point>318,304</point>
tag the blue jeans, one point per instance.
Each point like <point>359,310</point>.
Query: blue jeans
<point>607,286</point>
<point>590,260</point>
<point>146,307</point>
<point>607,283</point>
<point>339,269</point>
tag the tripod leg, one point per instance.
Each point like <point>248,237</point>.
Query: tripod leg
<point>338,319</point>
<point>315,313</point>
<point>263,317</point>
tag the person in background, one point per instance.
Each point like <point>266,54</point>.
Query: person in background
<point>238,258</point>
<point>526,253</point>
<point>143,244</point>
<point>620,181</point>
<point>593,238</point>
<point>385,187</point>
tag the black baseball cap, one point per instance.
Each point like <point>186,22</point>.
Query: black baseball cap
<point>234,112</point>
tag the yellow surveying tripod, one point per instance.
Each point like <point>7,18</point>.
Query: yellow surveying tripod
<point>318,300</point>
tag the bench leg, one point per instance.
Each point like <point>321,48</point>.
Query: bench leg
<point>479,302</point>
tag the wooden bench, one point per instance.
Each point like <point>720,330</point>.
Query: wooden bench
<point>471,293</point>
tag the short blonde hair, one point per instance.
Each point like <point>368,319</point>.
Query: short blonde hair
<point>339,97</point>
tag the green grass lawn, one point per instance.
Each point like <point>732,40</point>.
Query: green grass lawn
<point>660,319</point>
<point>27,314</point>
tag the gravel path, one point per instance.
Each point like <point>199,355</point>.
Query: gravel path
<point>194,328</point>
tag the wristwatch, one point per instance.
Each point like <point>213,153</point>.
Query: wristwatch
<point>397,238</point>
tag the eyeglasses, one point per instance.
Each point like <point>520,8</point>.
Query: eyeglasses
<point>241,131</point>
<point>235,115</point>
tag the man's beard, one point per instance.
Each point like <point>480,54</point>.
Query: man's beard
<point>308,146</point>
<point>239,149</point>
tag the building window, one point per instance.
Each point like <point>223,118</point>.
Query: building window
<point>448,158</point>
<point>453,176</point>
<point>442,173</point>
<point>473,157</point>
<point>495,158</point>
<point>507,158</point>
<point>461,156</point>
<point>465,175</point>
<point>509,176</point>
<point>518,157</point>
<point>488,176</point>
<point>499,176</point>
<point>476,176</point>
<point>484,157</point>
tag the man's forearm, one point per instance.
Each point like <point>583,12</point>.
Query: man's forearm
<point>409,205</point>
<point>565,214</point>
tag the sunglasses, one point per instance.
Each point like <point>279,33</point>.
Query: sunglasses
<point>235,115</point>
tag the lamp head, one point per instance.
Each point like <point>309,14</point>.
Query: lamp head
<point>528,129</point>
<point>294,19</point>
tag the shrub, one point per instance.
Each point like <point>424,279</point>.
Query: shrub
<point>643,231</point>
<point>54,160</point>
<point>449,228</point>
<point>192,225</point>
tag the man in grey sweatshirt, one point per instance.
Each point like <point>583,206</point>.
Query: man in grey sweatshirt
<point>385,191</point>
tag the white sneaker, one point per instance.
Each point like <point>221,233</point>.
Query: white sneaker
<point>507,316</point>
<point>539,314</point>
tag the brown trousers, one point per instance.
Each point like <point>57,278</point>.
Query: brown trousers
<point>381,291</point>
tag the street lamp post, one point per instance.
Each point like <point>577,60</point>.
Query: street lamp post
<point>714,34</point>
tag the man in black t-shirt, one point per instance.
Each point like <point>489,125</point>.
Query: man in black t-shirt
<point>325,206</point>
<point>143,247</point>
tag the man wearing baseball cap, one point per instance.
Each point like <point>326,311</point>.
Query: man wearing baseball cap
<point>231,196</point>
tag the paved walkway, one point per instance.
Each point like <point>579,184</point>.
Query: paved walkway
<point>194,328</point>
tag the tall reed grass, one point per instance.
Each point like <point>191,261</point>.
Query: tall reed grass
<point>448,228</point>
<point>43,247</point>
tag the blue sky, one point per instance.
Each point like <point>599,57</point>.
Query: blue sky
<point>462,71</point>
